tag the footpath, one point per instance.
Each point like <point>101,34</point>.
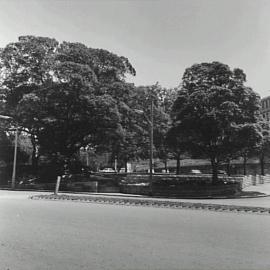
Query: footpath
<point>254,199</point>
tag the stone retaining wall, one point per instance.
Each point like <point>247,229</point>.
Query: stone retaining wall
<point>164,184</point>
<point>184,191</point>
<point>182,185</point>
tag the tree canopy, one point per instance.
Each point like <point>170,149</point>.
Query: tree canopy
<point>67,96</point>
<point>215,113</point>
<point>54,91</point>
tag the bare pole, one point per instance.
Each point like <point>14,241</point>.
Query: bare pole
<point>151,122</point>
<point>13,179</point>
<point>57,185</point>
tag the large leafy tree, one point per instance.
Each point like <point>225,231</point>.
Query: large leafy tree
<point>162,123</point>
<point>123,142</point>
<point>25,66</point>
<point>215,113</point>
<point>177,145</point>
<point>145,95</point>
<point>162,100</point>
<point>54,92</point>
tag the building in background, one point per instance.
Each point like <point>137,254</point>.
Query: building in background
<point>266,108</point>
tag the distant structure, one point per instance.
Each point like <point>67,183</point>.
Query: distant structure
<point>266,108</point>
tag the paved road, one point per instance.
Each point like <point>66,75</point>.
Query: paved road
<point>64,235</point>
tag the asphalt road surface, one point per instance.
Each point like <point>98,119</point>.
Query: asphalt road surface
<point>65,235</point>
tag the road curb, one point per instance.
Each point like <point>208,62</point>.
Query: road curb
<point>155,203</point>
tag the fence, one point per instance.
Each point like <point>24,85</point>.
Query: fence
<point>253,180</point>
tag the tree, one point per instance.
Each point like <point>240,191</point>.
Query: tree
<point>7,148</point>
<point>54,92</point>
<point>178,146</point>
<point>24,67</point>
<point>214,110</point>
<point>122,142</point>
<point>162,123</point>
<point>146,98</point>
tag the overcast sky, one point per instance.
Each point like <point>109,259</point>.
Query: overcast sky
<point>160,38</point>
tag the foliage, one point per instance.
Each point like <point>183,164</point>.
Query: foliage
<point>162,123</point>
<point>7,149</point>
<point>215,113</point>
<point>55,92</point>
<point>128,141</point>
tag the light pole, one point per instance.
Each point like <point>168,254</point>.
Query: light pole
<point>13,179</point>
<point>151,147</point>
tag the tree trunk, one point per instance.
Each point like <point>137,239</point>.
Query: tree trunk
<point>126,166</point>
<point>165,165</point>
<point>245,164</point>
<point>214,164</point>
<point>35,157</point>
<point>34,161</point>
<point>115,164</point>
<point>178,164</point>
<point>66,166</point>
<point>262,163</point>
<point>229,167</point>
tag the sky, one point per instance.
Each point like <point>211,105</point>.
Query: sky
<point>161,38</point>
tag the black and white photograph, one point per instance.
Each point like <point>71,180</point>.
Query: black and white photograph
<point>134,134</point>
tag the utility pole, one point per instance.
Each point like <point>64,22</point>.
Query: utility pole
<point>13,179</point>
<point>151,122</point>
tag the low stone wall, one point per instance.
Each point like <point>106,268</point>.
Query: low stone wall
<point>184,191</point>
<point>163,185</point>
<point>98,182</point>
<point>81,186</point>
<point>197,190</point>
<point>92,187</point>
<point>205,178</point>
<point>184,186</point>
<point>135,189</point>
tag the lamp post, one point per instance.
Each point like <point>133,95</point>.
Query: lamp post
<point>151,147</point>
<point>13,179</point>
